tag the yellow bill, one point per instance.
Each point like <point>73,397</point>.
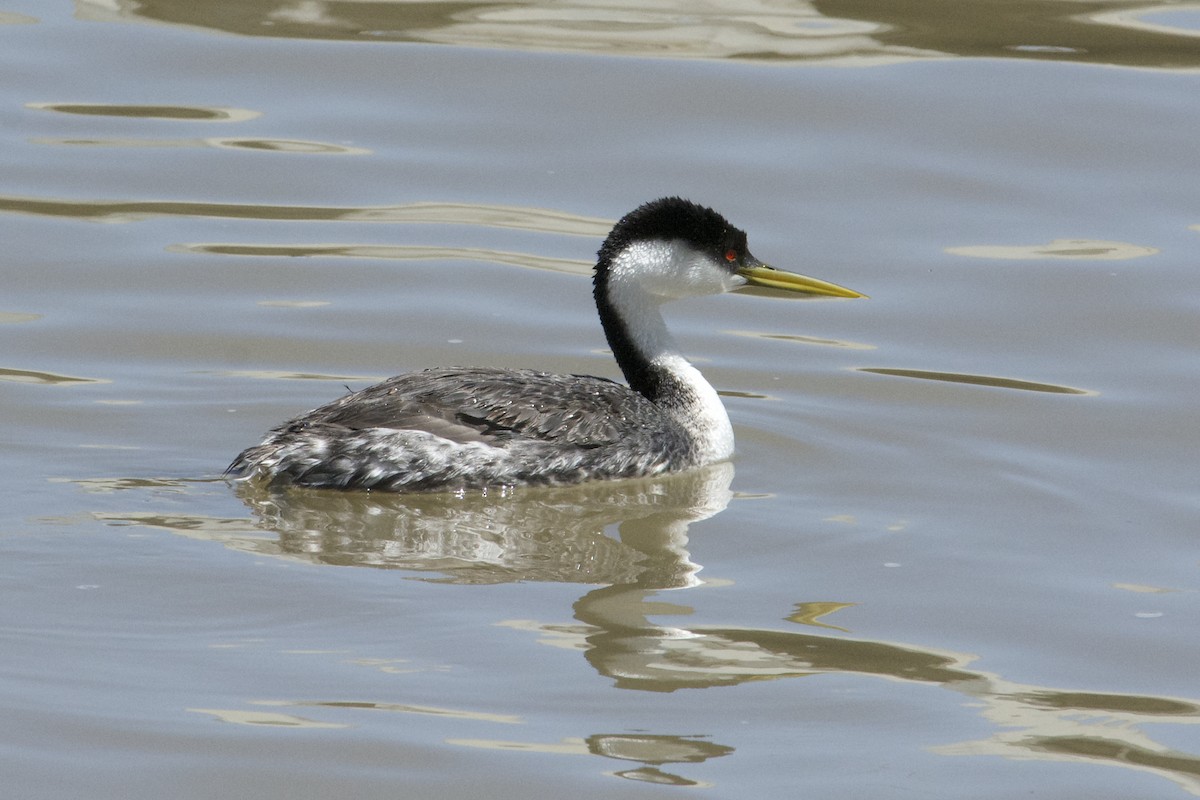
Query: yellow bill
<point>762,275</point>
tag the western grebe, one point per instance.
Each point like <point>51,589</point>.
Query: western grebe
<point>472,428</point>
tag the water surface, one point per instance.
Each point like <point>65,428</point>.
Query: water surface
<point>954,557</point>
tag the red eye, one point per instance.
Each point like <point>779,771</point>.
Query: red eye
<point>731,255</point>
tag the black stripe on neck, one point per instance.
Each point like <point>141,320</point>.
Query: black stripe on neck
<point>640,376</point>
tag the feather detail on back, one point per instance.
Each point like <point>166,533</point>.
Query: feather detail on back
<point>472,427</point>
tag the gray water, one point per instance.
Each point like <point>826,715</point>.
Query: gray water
<point>954,557</point>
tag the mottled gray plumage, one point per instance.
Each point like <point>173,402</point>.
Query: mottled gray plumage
<point>472,428</point>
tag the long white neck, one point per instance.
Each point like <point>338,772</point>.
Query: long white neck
<point>650,359</point>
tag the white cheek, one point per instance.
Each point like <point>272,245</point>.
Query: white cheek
<point>671,270</point>
<point>701,276</point>
<point>730,280</point>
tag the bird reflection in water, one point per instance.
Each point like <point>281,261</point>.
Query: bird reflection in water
<point>559,535</point>
<point>530,534</point>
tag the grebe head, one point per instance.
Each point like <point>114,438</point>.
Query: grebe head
<point>665,250</point>
<point>672,248</point>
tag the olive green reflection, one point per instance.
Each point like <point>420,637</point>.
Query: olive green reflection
<point>541,220</point>
<point>182,113</point>
<point>396,252</point>
<point>289,146</point>
<point>1090,31</point>
<point>653,751</point>
<point>847,31</point>
<point>1105,750</point>
<point>976,380</point>
<point>620,641</point>
<point>34,376</point>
